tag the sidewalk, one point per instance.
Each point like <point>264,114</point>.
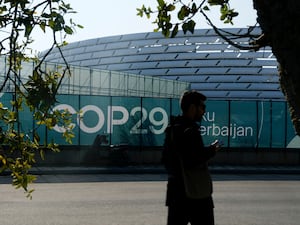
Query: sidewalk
<point>215,169</point>
<point>160,170</point>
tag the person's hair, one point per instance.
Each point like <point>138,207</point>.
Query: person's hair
<point>191,97</point>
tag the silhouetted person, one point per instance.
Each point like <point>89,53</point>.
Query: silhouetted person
<point>100,140</point>
<point>184,151</point>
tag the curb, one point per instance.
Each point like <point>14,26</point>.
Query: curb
<point>158,170</point>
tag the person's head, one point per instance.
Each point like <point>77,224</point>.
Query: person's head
<point>192,104</point>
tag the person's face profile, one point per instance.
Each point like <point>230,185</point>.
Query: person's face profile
<point>199,111</point>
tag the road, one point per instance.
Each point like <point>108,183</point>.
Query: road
<point>113,199</point>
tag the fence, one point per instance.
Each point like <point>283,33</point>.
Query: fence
<point>86,81</point>
<point>141,121</point>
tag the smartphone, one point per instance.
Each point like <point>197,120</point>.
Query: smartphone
<point>217,142</point>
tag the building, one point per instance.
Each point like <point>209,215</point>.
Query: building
<point>127,86</point>
<point>203,59</point>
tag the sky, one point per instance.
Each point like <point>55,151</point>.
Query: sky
<point>102,18</point>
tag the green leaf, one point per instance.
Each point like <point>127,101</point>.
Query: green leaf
<point>43,26</point>
<point>140,12</point>
<point>234,14</point>
<point>223,17</point>
<point>161,3</point>
<point>42,154</point>
<point>166,33</point>
<point>174,31</point>
<point>171,7</point>
<point>185,28</point>
<point>194,8</point>
<point>217,2</point>
<point>191,26</point>
<point>183,12</point>
<point>28,29</point>
<point>68,30</point>
<point>206,8</point>
<point>51,23</point>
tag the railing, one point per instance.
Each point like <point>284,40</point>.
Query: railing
<point>87,81</point>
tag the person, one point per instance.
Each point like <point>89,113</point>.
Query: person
<point>184,150</point>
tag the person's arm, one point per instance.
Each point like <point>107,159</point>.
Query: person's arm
<point>194,152</point>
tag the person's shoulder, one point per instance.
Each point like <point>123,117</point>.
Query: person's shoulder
<point>176,124</point>
<point>183,125</point>
<point>190,127</point>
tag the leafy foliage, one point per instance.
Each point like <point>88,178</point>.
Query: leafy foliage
<point>174,15</point>
<point>18,148</point>
<point>284,47</point>
<point>186,11</point>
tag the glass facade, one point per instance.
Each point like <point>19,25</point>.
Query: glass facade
<point>86,81</point>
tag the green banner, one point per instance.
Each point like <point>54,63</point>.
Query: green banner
<point>138,121</point>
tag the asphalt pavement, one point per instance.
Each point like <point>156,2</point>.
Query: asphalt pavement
<point>138,199</point>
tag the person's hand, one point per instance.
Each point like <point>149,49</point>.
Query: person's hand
<point>216,145</point>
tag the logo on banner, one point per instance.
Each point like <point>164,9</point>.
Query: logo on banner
<point>232,129</point>
<point>157,117</point>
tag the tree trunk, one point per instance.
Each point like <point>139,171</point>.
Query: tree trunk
<point>279,21</point>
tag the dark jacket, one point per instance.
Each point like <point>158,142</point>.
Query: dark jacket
<point>182,141</point>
